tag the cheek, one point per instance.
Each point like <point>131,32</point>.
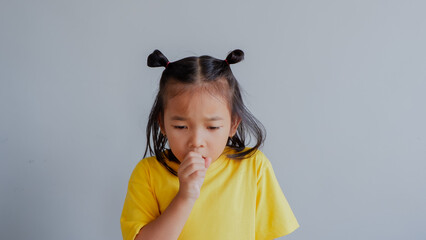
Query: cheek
<point>220,137</point>
<point>177,145</point>
<point>175,138</point>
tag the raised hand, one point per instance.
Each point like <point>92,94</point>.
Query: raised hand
<point>191,173</point>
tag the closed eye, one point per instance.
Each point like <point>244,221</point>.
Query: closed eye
<point>213,128</point>
<point>180,127</point>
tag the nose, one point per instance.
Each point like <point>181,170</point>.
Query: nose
<point>196,139</point>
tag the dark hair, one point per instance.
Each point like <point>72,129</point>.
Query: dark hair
<point>201,70</point>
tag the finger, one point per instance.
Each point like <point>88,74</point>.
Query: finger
<point>191,169</point>
<point>197,175</point>
<point>190,162</point>
<point>189,158</point>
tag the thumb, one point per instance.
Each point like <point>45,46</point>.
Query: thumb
<point>207,162</point>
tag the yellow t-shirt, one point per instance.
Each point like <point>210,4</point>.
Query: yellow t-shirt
<point>239,199</point>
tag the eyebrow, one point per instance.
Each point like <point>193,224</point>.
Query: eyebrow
<point>179,118</point>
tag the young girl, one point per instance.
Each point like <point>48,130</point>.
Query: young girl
<point>207,184</point>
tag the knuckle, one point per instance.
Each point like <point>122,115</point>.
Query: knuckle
<point>193,154</point>
<point>194,167</point>
<point>200,173</point>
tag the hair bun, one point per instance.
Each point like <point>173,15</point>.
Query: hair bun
<point>157,59</point>
<point>235,56</point>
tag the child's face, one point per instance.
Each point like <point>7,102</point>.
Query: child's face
<point>197,121</point>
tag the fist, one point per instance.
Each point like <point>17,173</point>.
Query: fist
<point>191,173</point>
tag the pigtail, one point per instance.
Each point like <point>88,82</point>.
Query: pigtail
<point>157,59</point>
<point>235,56</point>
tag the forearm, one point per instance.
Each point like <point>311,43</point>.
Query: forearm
<point>168,225</point>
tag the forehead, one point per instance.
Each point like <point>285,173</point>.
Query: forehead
<point>218,88</point>
<point>197,103</point>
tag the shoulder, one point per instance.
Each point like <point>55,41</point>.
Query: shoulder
<point>146,163</point>
<point>143,168</point>
<point>260,162</point>
<point>256,158</point>
<point>151,167</point>
<point>257,155</point>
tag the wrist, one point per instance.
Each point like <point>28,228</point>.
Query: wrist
<point>185,197</point>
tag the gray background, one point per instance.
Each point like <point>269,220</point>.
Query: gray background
<point>339,85</point>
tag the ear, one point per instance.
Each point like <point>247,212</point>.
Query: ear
<point>234,126</point>
<point>161,124</point>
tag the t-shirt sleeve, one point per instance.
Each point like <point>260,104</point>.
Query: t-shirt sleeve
<point>140,205</point>
<point>274,217</point>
